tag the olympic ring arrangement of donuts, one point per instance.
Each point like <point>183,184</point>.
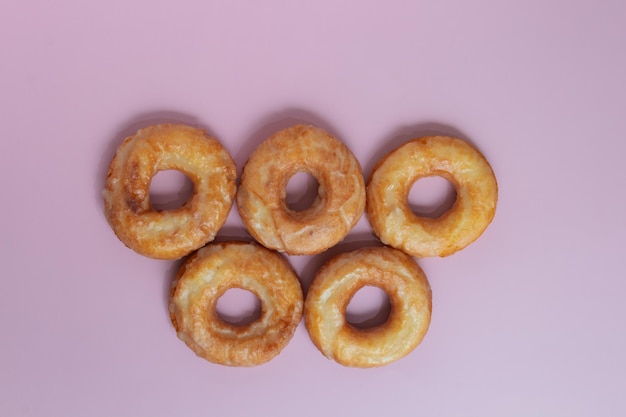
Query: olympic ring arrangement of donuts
<point>258,266</point>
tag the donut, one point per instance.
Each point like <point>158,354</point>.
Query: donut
<point>334,286</point>
<point>213,270</point>
<point>455,160</point>
<point>261,194</point>
<point>169,234</point>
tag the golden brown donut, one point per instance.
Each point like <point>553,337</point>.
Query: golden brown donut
<point>453,159</point>
<point>170,234</point>
<point>334,286</point>
<point>261,194</point>
<point>213,270</point>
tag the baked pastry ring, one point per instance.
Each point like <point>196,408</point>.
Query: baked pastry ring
<point>169,234</point>
<point>213,270</point>
<point>334,286</point>
<point>261,194</point>
<point>453,159</point>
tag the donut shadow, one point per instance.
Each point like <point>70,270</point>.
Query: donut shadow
<point>403,134</point>
<point>444,193</point>
<point>170,190</point>
<point>274,122</point>
<point>232,234</point>
<point>372,310</point>
<point>131,127</point>
<point>170,276</point>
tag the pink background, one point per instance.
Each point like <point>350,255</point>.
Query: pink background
<point>527,321</point>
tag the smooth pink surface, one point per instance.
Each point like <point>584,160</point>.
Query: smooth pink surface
<point>527,321</point>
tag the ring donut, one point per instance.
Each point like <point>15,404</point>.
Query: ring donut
<point>334,286</point>
<point>261,194</point>
<point>213,270</point>
<point>453,159</point>
<point>169,234</point>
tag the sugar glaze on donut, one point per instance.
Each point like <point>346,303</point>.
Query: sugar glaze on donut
<point>262,192</point>
<point>334,286</point>
<point>212,271</point>
<point>453,159</point>
<point>169,234</point>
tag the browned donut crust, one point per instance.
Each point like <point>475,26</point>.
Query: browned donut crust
<point>453,159</point>
<point>261,194</point>
<point>213,270</point>
<point>334,286</point>
<point>170,234</point>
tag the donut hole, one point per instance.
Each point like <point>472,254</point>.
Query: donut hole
<point>369,307</point>
<point>431,197</point>
<point>301,191</point>
<point>169,190</point>
<point>238,307</point>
